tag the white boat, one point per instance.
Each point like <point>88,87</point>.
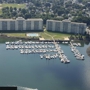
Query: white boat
<point>80,58</point>
<point>16,47</point>
<point>7,47</point>
<point>62,60</point>
<point>12,47</point>
<point>21,51</point>
<point>68,61</point>
<point>7,43</point>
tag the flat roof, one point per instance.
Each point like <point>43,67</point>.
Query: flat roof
<point>67,21</point>
<point>78,23</point>
<point>52,20</point>
<point>35,19</point>
<point>7,19</point>
<point>21,18</point>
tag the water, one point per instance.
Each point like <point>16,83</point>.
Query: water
<point>32,72</point>
<point>33,34</point>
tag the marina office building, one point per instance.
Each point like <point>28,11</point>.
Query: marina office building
<point>21,24</point>
<point>66,26</point>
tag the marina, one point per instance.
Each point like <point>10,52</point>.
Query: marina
<point>48,50</point>
<point>77,54</point>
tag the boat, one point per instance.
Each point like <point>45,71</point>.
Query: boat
<point>22,51</point>
<point>7,47</point>
<point>7,43</point>
<point>62,60</point>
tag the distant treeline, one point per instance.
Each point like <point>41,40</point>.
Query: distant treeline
<point>22,1</point>
<point>82,19</point>
<point>17,1</point>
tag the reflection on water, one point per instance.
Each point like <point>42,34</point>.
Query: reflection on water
<point>24,88</point>
<point>86,42</point>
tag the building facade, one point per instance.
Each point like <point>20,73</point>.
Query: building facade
<point>66,26</point>
<point>21,24</point>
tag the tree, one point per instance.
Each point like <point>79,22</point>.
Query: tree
<point>11,9</point>
<point>14,13</point>
<point>47,4</point>
<point>23,11</point>
<point>27,15</point>
<point>60,12</point>
<point>15,8</point>
<point>20,9</point>
<point>82,19</point>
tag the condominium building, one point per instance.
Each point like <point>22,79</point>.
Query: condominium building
<point>21,24</point>
<point>49,25</point>
<point>66,26</point>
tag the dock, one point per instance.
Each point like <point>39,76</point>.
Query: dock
<point>51,51</point>
<point>62,57</point>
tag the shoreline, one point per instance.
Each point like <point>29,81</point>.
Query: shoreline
<point>33,38</point>
<point>4,37</point>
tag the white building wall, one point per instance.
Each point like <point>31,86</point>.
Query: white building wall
<point>53,27</point>
<point>47,25</point>
<point>84,28</point>
<point>24,25</point>
<point>69,27</point>
<point>32,25</point>
<point>8,25</point>
<point>57,26</point>
<point>77,31</point>
<point>66,26</point>
<point>81,28</point>
<point>61,27</point>
<point>50,26</point>
<point>16,25</point>
<point>73,27</point>
<point>40,25</point>
<point>0,25</point>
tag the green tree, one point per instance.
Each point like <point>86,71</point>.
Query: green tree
<point>15,8</point>
<point>27,15</point>
<point>11,9</point>
<point>14,13</point>
<point>23,11</point>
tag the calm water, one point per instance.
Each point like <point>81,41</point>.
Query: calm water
<point>32,72</point>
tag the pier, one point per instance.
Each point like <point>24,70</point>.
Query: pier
<point>61,55</point>
<point>77,54</point>
<point>47,50</point>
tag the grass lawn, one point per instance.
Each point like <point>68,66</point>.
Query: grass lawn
<point>42,34</point>
<point>11,5</point>
<point>0,11</point>
<point>54,34</point>
<point>16,34</point>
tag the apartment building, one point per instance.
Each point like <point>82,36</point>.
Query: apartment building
<point>20,24</point>
<point>66,26</point>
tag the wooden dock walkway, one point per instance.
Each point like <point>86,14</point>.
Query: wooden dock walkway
<point>58,50</point>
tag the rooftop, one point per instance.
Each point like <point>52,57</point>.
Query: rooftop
<point>21,18</point>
